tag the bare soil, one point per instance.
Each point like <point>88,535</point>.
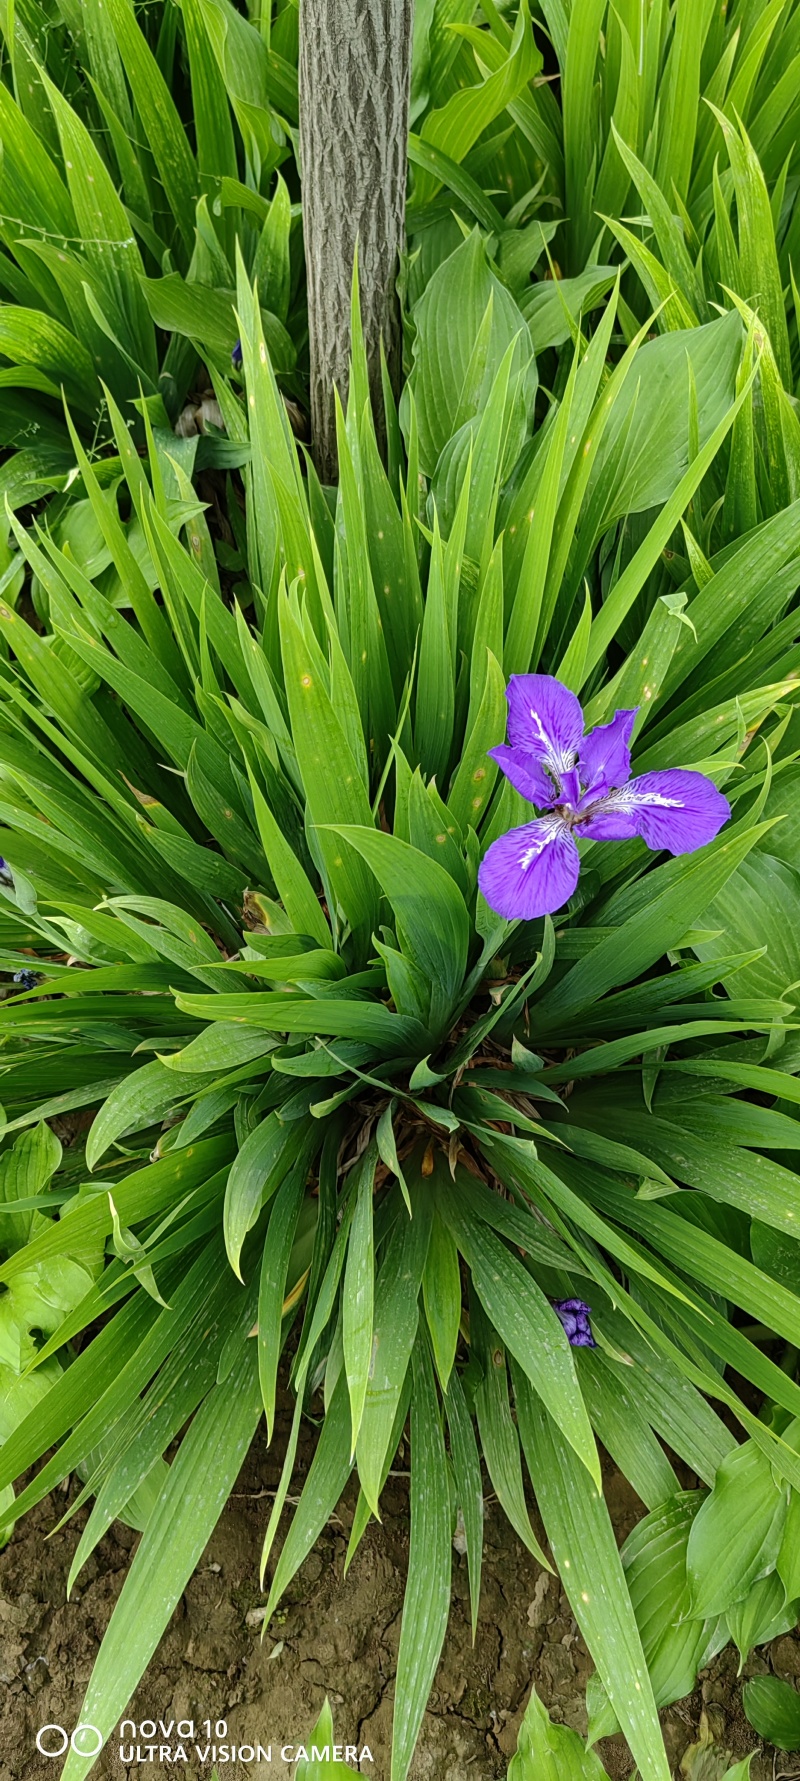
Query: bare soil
<point>333,1635</point>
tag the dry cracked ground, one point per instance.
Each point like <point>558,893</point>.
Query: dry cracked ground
<point>332,1636</point>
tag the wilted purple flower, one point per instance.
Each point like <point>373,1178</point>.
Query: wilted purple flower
<point>5,871</point>
<point>26,979</point>
<point>574,1317</point>
<point>236,356</point>
<point>584,784</point>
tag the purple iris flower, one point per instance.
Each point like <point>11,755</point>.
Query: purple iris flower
<point>583,785</point>
<point>574,1316</point>
<point>236,356</point>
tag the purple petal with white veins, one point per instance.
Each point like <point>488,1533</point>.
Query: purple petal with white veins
<point>676,810</point>
<point>605,759</point>
<point>545,718</point>
<point>530,871</point>
<point>526,773</point>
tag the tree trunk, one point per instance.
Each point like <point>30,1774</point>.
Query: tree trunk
<point>355,58</point>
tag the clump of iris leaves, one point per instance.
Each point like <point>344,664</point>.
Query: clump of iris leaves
<point>327,1120</point>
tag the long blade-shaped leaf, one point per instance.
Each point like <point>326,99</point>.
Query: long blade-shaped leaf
<point>199,1482</point>
<point>582,1538</point>
<point>427,1599</point>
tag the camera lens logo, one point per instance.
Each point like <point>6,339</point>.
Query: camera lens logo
<point>53,1740</point>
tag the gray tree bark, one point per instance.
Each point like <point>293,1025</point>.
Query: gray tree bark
<point>355,60</point>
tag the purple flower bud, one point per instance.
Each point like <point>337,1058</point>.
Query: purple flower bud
<point>5,872</point>
<point>574,1316</point>
<point>236,356</point>
<point>26,979</point>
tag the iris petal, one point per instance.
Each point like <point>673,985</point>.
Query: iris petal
<point>531,871</point>
<point>545,718</point>
<point>676,810</point>
<point>527,774</point>
<point>605,760</point>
